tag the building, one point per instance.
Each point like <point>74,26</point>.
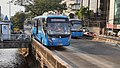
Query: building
<point>114,16</point>
<point>23,2</point>
<point>72,6</point>
<point>0,11</point>
<point>1,15</point>
<point>99,7</point>
<point>101,13</point>
<point>93,4</point>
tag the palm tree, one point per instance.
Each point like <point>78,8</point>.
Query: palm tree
<point>1,19</point>
<point>83,13</point>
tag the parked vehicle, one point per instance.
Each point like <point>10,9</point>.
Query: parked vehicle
<point>92,34</point>
<point>111,33</point>
<point>85,29</point>
<point>118,34</point>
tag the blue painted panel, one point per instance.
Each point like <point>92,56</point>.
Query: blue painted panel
<point>59,41</point>
<point>77,34</point>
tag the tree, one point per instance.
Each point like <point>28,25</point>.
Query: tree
<point>1,19</point>
<point>84,14</point>
<point>18,20</point>
<point>38,7</point>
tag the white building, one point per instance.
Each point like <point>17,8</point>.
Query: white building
<point>72,6</point>
<point>93,5</point>
<point>114,16</point>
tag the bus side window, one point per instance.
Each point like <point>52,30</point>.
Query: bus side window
<point>44,25</point>
<point>43,20</point>
<point>35,23</point>
<point>40,24</point>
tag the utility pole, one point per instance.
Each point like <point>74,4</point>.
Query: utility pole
<point>89,13</point>
<point>0,11</point>
<point>97,14</point>
<point>97,8</point>
<point>88,4</point>
<point>81,3</point>
<point>10,8</point>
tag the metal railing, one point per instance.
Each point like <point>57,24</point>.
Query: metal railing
<point>15,37</point>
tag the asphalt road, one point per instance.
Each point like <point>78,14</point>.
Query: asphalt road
<point>83,53</point>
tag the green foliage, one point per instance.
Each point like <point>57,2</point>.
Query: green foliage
<point>1,19</point>
<point>18,20</point>
<point>84,13</point>
<point>41,6</point>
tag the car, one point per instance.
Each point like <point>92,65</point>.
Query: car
<point>111,33</point>
<point>92,34</point>
<point>85,29</point>
<point>118,34</point>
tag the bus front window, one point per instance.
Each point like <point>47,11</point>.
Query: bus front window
<point>76,27</point>
<point>58,28</point>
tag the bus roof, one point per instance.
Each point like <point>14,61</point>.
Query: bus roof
<point>75,19</point>
<point>51,16</point>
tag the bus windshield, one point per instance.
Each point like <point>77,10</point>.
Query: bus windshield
<point>58,28</point>
<point>76,27</point>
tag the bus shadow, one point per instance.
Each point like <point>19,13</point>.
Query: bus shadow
<point>84,37</point>
<point>58,48</point>
<point>76,37</point>
<point>88,37</point>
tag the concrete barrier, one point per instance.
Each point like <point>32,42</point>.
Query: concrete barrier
<point>109,40</point>
<point>46,57</point>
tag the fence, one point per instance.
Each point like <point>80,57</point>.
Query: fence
<point>15,37</point>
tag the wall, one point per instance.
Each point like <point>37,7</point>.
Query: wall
<point>94,29</point>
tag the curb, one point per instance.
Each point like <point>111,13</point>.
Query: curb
<point>108,40</point>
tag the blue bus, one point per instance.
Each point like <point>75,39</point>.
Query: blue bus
<point>76,28</point>
<point>52,30</point>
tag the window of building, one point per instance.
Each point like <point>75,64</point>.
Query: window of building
<point>117,12</point>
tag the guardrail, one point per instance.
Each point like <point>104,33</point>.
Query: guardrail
<point>15,37</point>
<point>46,57</point>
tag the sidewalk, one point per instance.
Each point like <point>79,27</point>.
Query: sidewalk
<point>108,39</point>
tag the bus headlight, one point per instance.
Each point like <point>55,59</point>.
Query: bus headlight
<point>50,40</point>
<point>53,38</point>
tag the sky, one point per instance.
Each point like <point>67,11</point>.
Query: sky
<point>5,8</point>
